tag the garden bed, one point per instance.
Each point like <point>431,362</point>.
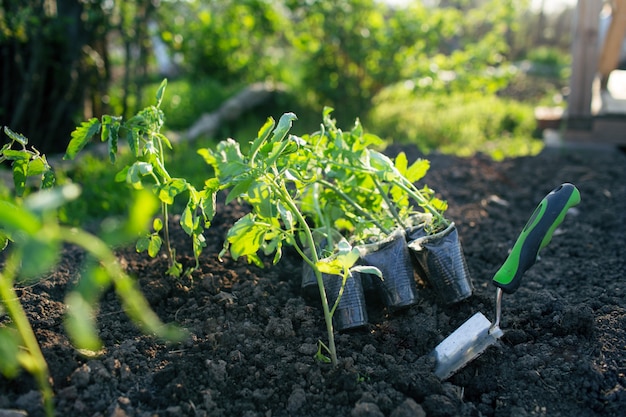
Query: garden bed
<point>253,337</point>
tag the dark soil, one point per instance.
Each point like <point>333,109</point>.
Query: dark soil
<point>253,336</point>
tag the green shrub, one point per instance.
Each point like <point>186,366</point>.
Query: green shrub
<point>461,124</point>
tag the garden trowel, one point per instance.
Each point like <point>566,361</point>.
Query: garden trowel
<point>478,333</point>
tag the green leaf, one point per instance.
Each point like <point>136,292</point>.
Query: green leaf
<point>9,350</point>
<point>245,237</point>
<point>262,135</point>
<point>16,155</point>
<point>260,196</point>
<point>286,216</point>
<point>175,269</point>
<point>48,180</point>
<point>319,355</point>
<point>132,138</point>
<point>154,245</point>
<point>366,269</point>
<point>199,242</point>
<point>187,220</point>
<point>417,170</point>
<point>208,200</point>
<point>81,136</point>
<point>228,161</point>
<point>381,162</point>
<point>142,243</point>
<point>16,136</point>
<point>136,171</point>
<point>157,224</point>
<point>241,188</point>
<point>168,191</point>
<point>20,171</point>
<point>439,205</point>
<point>4,240</point>
<point>122,174</point>
<point>329,266</point>
<point>80,322</point>
<point>35,167</point>
<point>160,92</point>
<point>14,218</point>
<point>110,134</point>
<point>165,140</point>
<point>284,126</point>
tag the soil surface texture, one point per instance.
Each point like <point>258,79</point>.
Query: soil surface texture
<point>253,336</point>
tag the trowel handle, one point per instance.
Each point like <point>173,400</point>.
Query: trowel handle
<point>535,236</point>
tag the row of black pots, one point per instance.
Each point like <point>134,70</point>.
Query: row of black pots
<point>436,258</point>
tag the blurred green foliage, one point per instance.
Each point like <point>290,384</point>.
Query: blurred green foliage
<point>342,53</point>
<point>460,123</point>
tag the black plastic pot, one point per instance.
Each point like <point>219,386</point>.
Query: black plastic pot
<point>441,258</point>
<point>309,288</point>
<point>351,311</point>
<point>391,255</point>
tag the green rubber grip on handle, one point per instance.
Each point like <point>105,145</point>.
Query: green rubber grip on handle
<point>535,236</point>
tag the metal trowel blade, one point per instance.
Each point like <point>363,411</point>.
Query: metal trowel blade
<point>464,345</point>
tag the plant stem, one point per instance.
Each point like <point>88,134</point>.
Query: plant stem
<point>38,366</point>
<point>166,232</point>
<point>286,197</point>
<point>166,228</point>
<point>390,205</point>
<point>354,204</point>
<point>417,196</point>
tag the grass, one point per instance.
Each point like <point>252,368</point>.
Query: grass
<point>461,124</point>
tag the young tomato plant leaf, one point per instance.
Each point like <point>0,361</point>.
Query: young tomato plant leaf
<point>245,237</point>
<point>136,171</point>
<point>4,239</point>
<point>242,184</point>
<point>417,170</point>
<point>175,269</point>
<point>81,136</point>
<point>142,243</point>
<point>110,134</point>
<point>13,154</point>
<point>187,220</point>
<point>48,180</point>
<point>154,245</point>
<point>35,167</point>
<point>160,92</point>
<point>17,137</point>
<point>227,160</point>
<point>168,191</point>
<point>262,135</point>
<point>20,173</point>
<point>157,224</point>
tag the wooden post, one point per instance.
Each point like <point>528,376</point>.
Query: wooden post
<point>612,47</point>
<point>584,58</point>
